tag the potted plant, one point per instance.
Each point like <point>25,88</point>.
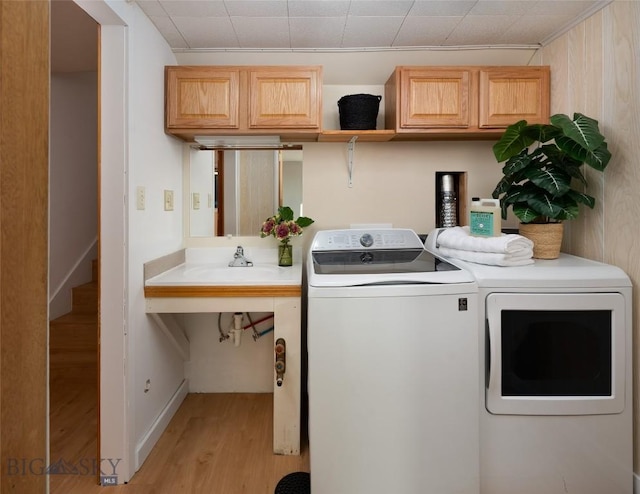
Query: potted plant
<point>542,161</point>
<point>283,227</point>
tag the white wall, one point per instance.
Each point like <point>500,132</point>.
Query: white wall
<point>393,182</point>
<point>73,185</point>
<point>135,151</point>
<point>155,162</point>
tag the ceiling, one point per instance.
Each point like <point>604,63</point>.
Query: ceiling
<point>325,25</point>
<point>193,25</point>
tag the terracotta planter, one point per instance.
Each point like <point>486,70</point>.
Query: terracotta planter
<point>546,238</point>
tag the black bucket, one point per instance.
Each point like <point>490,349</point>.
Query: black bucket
<point>359,111</point>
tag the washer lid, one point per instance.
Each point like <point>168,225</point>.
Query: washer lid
<point>377,257</point>
<point>378,261</point>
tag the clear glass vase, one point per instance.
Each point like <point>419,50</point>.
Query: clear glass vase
<point>285,254</point>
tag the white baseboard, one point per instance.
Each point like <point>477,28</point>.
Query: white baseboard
<point>636,483</point>
<point>146,444</point>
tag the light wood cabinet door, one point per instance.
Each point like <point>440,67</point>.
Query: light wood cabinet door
<point>285,98</point>
<point>435,98</point>
<point>202,98</point>
<point>510,94</point>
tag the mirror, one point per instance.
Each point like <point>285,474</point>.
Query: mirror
<point>232,191</point>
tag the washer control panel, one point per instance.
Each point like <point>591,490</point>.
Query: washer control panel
<point>392,238</point>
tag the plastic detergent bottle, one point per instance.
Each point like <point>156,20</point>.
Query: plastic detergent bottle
<point>484,218</point>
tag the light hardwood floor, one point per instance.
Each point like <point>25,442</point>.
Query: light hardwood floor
<point>215,443</point>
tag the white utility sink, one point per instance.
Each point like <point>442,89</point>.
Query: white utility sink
<point>253,274</point>
<point>210,267</point>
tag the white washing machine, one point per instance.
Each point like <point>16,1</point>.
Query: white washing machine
<point>556,377</point>
<point>393,360</point>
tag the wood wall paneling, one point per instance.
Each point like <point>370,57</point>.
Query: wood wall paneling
<point>596,70</point>
<point>24,121</point>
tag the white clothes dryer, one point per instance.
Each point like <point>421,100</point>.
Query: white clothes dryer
<point>555,377</point>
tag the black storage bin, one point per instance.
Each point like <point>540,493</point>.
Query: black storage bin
<point>359,111</point>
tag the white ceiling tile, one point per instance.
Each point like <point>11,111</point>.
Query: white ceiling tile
<point>375,8</point>
<point>256,8</point>
<point>151,7</point>
<point>562,7</point>
<point>315,8</point>
<point>425,31</point>
<point>441,7</point>
<point>480,30</point>
<point>532,29</point>
<point>169,31</point>
<point>371,31</point>
<point>314,32</point>
<point>369,23</point>
<point>207,32</point>
<point>266,32</point>
<point>503,7</point>
<point>194,8</point>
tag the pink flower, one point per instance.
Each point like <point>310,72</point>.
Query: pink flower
<point>294,228</point>
<point>282,231</point>
<point>267,227</point>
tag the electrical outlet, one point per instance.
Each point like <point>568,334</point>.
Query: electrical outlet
<point>196,200</point>
<point>168,200</point>
<point>140,199</point>
<point>147,386</point>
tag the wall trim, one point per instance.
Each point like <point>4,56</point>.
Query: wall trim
<point>92,248</point>
<point>148,441</point>
<point>60,299</point>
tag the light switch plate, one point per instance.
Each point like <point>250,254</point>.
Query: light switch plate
<point>196,200</point>
<point>168,200</point>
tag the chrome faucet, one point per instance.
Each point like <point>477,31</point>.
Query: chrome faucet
<point>239,260</point>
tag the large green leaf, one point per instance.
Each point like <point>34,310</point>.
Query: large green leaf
<point>516,164</point>
<point>517,194</point>
<point>545,205</point>
<point>304,222</point>
<point>525,213</point>
<point>597,158</point>
<point>286,213</point>
<point>581,197</point>
<point>541,132</point>
<point>582,130</point>
<point>553,180</point>
<point>503,186</point>
<point>512,142</point>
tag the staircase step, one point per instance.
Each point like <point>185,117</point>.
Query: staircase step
<point>85,298</point>
<point>73,342</point>
<point>73,337</point>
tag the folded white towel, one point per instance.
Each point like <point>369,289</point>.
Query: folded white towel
<point>458,237</point>
<point>491,258</point>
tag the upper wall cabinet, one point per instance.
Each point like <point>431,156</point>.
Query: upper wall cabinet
<point>208,100</point>
<point>509,94</point>
<point>476,102</point>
